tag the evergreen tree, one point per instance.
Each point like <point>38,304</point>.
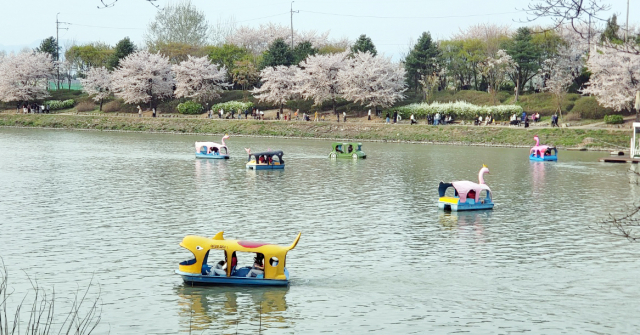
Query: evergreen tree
<point>123,49</point>
<point>302,51</point>
<point>364,44</point>
<point>610,33</point>
<point>422,60</point>
<point>526,54</point>
<point>279,53</point>
<point>49,46</point>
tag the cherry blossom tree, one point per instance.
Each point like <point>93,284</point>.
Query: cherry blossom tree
<point>257,40</point>
<point>318,78</point>
<point>197,78</point>
<point>97,83</point>
<point>143,77</point>
<point>495,70</point>
<point>278,84</point>
<point>615,75</point>
<point>25,76</point>
<point>560,72</point>
<point>372,80</point>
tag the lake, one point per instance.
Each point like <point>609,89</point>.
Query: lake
<point>107,210</point>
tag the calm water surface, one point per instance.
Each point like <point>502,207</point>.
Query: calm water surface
<point>376,255</point>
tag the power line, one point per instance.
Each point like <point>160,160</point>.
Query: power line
<point>409,17</point>
<point>264,17</point>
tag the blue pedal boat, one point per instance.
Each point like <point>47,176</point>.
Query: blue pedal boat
<point>269,160</point>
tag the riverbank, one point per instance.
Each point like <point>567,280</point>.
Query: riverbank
<point>591,139</point>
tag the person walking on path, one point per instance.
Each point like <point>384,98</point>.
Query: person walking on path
<point>315,118</point>
<point>344,115</point>
<point>369,115</point>
<point>395,116</point>
<point>387,117</point>
<point>413,119</point>
<point>296,114</point>
<point>139,111</point>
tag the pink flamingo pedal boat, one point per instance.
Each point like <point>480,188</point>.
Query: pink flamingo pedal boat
<point>541,153</point>
<point>467,194</point>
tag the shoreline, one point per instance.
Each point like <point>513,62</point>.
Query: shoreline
<point>458,135</point>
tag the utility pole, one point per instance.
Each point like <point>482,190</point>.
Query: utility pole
<point>292,23</point>
<point>626,31</point>
<point>58,48</point>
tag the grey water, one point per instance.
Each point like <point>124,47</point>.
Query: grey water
<point>106,211</point>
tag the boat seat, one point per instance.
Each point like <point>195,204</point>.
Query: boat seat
<point>241,272</point>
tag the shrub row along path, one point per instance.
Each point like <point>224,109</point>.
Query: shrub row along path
<point>592,138</point>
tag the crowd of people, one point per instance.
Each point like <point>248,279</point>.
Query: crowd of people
<point>32,108</point>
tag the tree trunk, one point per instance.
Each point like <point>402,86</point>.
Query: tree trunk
<point>517,88</point>
<point>281,108</point>
<point>101,104</point>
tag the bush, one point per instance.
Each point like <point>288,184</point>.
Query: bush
<point>112,106</point>
<point>613,119</point>
<point>572,116</point>
<point>459,110</point>
<point>229,105</point>
<point>589,108</point>
<point>190,107</point>
<point>57,104</point>
<point>85,106</point>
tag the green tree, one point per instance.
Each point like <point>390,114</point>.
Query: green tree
<point>364,44</point>
<point>422,60</point>
<point>84,57</point>
<point>279,53</point>
<point>526,55</point>
<point>181,23</point>
<point>122,50</point>
<point>302,51</point>
<point>49,46</point>
<point>226,55</point>
<point>177,51</point>
<point>610,33</point>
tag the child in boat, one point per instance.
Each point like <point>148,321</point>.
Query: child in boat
<point>218,270</point>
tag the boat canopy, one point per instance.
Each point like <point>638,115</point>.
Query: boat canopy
<point>278,153</point>
<point>209,145</point>
<point>200,247</point>
<point>463,188</point>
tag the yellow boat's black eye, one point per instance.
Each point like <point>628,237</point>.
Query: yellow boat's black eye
<point>199,248</point>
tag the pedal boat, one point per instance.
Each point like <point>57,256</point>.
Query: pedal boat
<point>467,194</point>
<point>270,160</point>
<point>347,150</point>
<point>197,272</point>
<point>212,150</point>
<point>541,153</point>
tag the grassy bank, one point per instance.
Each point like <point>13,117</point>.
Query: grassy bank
<point>500,135</point>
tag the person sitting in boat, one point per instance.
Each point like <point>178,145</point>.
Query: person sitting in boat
<point>547,152</point>
<point>339,149</point>
<point>349,148</point>
<point>234,263</point>
<point>471,195</point>
<point>270,160</point>
<point>218,270</point>
<point>273,261</point>
<point>261,159</point>
<point>258,266</point>
<point>215,151</point>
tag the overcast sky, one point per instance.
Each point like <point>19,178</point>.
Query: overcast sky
<point>391,24</point>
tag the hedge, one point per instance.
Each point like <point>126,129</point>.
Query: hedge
<point>613,119</point>
<point>190,107</point>
<point>232,105</point>
<point>459,110</point>
<point>57,104</point>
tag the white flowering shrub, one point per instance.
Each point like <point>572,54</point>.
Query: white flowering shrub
<point>459,110</point>
<point>232,105</point>
<point>57,104</point>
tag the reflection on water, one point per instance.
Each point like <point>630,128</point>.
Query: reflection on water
<point>231,308</point>
<point>376,255</point>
